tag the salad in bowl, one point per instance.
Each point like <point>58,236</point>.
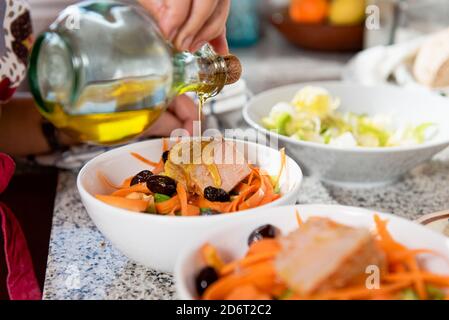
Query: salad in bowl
<point>317,252</point>
<point>196,177</point>
<point>352,135</point>
<point>313,115</point>
<point>147,201</point>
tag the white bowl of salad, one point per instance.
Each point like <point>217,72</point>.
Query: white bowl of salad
<point>150,204</point>
<point>353,135</point>
<point>317,252</point>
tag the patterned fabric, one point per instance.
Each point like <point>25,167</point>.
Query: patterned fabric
<point>15,43</point>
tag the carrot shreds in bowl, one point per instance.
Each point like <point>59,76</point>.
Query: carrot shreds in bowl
<point>254,190</point>
<point>254,275</point>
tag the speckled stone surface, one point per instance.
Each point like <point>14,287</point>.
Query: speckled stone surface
<point>82,264</point>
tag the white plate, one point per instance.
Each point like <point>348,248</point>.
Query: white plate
<point>156,240</point>
<point>232,242</point>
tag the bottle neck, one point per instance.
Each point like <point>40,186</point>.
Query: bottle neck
<point>203,72</point>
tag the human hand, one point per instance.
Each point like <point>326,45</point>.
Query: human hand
<point>181,114</point>
<point>189,24</point>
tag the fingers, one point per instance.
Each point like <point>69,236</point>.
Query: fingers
<point>189,24</point>
<point>181,113</point>
<point>170,14</point>
<point>220,44</point>
<point>164,125</point>
<point>214,27</point>
<point>184,108</point>
<point>201,11</point>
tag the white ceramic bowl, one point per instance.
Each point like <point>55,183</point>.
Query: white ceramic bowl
<point>357,166</point>
<point>232,247</point>
<point>154,240</point>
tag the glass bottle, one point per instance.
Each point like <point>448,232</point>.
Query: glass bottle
<point>103,73</point>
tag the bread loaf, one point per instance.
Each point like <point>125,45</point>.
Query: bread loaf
<point>431,66</point>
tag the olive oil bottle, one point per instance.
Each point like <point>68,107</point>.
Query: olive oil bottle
<point>103,73</point>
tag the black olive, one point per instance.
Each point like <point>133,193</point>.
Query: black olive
<point>165,156</point>
<point>205,278</point>
<point>216,195</point>
<point>265,231</point>
<point>161,184</point>
<point>141,177</point>
<point>208,212</point>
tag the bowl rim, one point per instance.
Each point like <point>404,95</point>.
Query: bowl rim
<point>138,215</point>
<point>181,287</point>
<point>365,150</point>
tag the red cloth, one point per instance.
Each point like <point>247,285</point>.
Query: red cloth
<point>21,280</point>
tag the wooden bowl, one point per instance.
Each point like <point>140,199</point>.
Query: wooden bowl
<point>322,37</point>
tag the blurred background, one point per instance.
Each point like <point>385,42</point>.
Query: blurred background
<point>296,35</point>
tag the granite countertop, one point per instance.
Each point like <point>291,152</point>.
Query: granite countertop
<point>82,264</point>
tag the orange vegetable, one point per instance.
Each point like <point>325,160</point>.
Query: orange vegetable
<point>211,257</point>
<point>201,202</point>
<point>254,275</point>
<point>182,194</point>
<point>360,292</point>
<point>124,203</point>
<point>247,261</point>
<point>298,218</point>
<point>144,160</point>
<point>140,187</point>
<point>283,162</point>
<point>106,182</point>
<point>169,206</point>
<point>262,276</point>
<point>436,279</point>
<point>247,292</point>
<point>264,246</point>
<point>126,183</point>
<point>309,11</point>
<point>386,241</point>
<point>165,145</point>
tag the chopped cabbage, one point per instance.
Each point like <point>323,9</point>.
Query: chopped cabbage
<point>312,116</point>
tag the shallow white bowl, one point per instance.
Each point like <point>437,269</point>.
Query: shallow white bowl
<point>357,166</point>
<point>235,246</point>
<point>154,240</point>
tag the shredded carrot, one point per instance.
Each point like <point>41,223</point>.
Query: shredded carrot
<point>222,207</point>
<point>165,145</point>
<point>255,190</point>
<point>211,257</point>
<point>283,162</point>
<point>186,208</point>
<point>360,292</point>
<point>264,245</point>
<point>144,160</point>
<point>387,242</point>
<point>298,218</point>
<point>262,276</point>
<point>169,206</point>
<point>124,203</point>
<point>247,261</point>
<point>246,292</point>
<point>433,278</point>
<point>140,187</point>
<point>106,182</point>
<point>182,194</point>
<point>255,275</point>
